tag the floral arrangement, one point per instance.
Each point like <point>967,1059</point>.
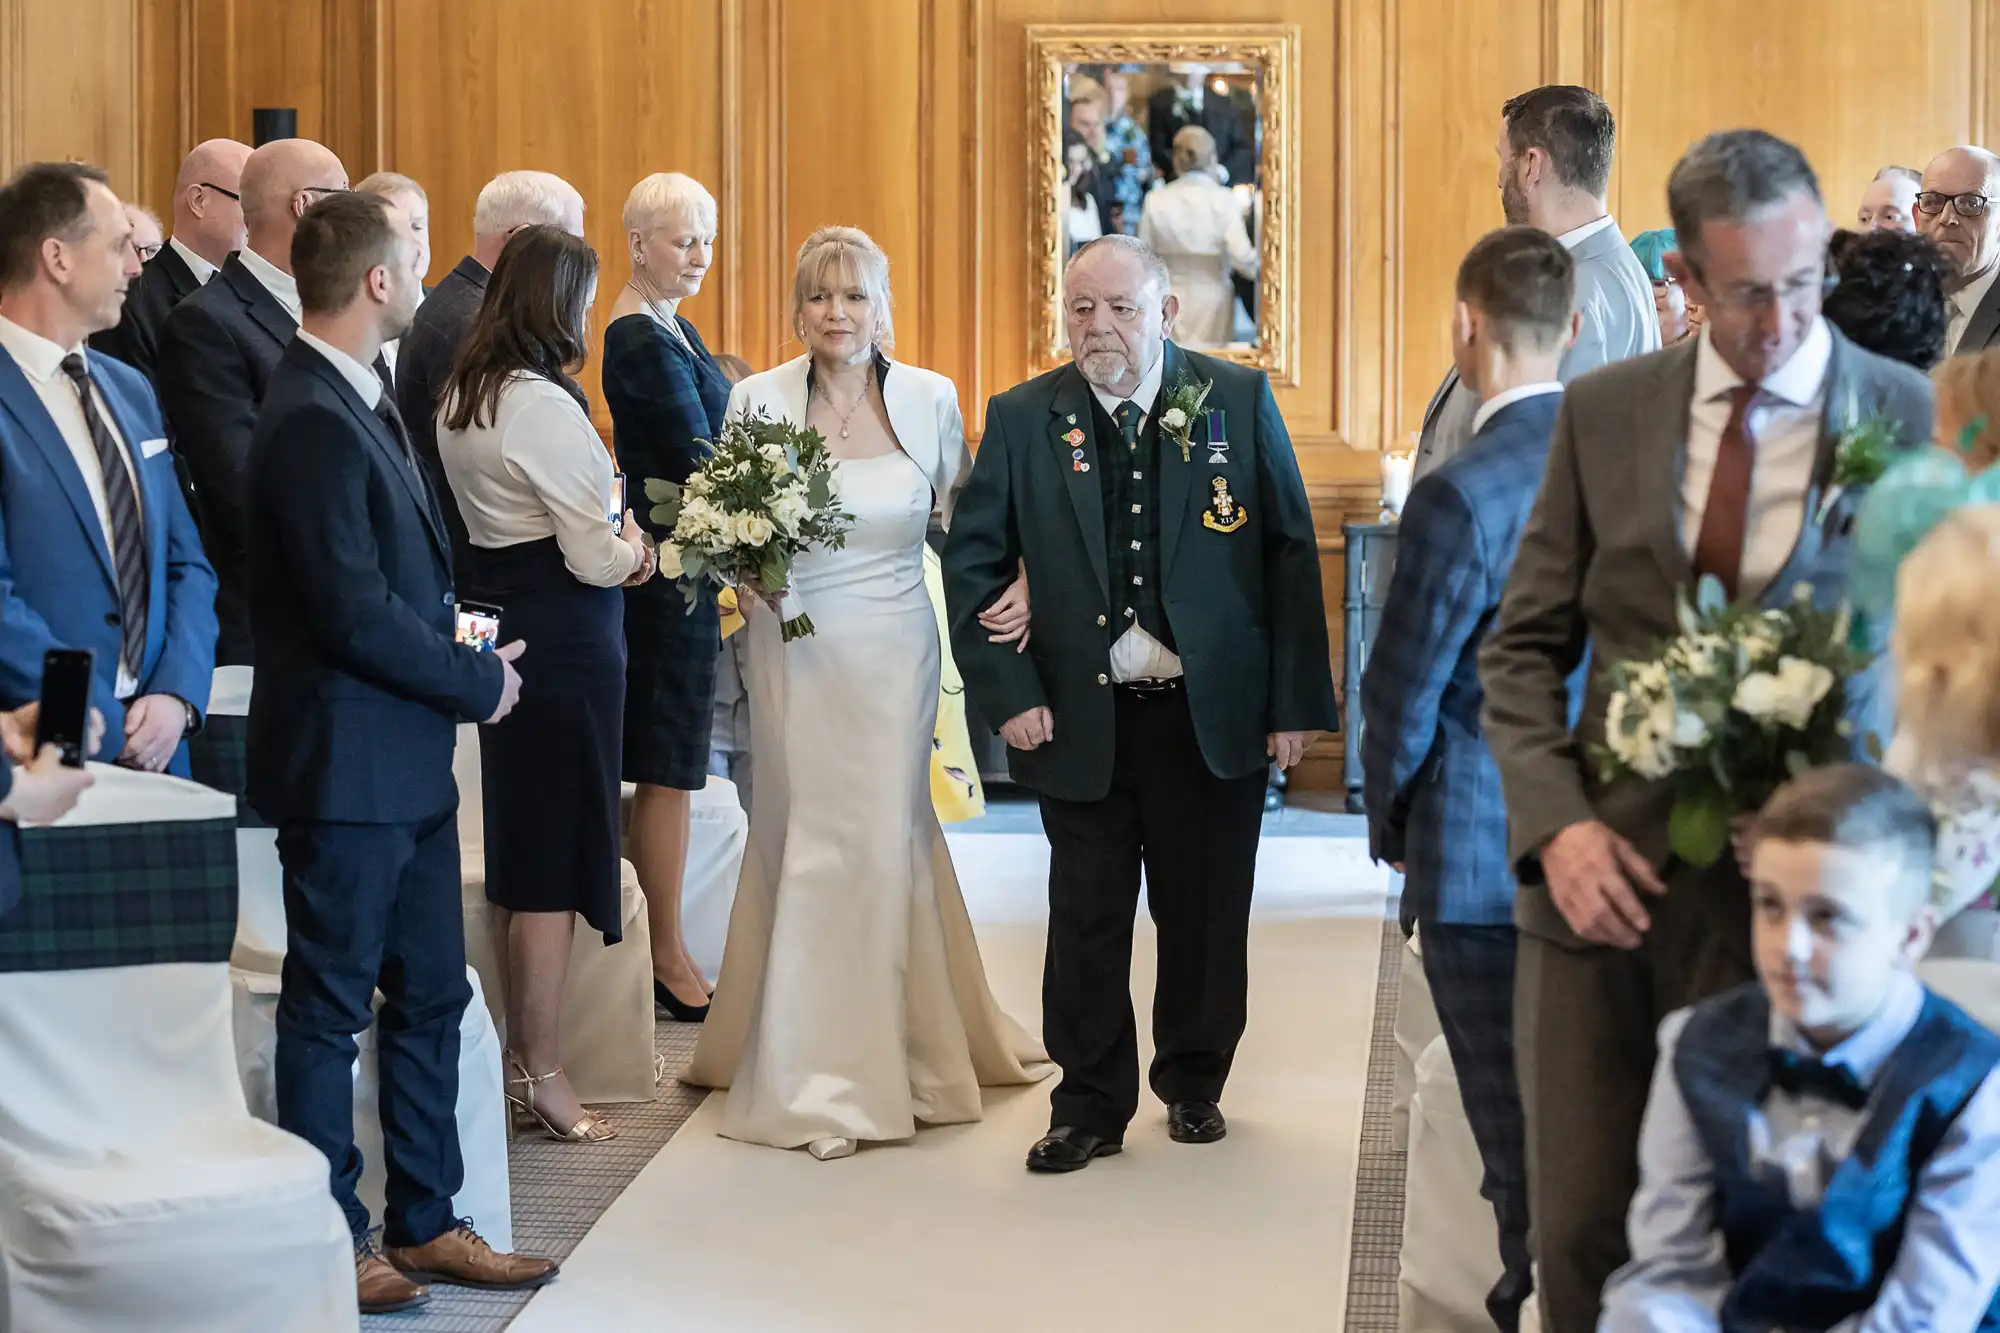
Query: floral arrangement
<point>1741,701</point>
<point>765,492</point>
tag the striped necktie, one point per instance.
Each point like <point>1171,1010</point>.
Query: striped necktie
<point>128,529</point>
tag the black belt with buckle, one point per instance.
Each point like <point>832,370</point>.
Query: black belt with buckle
<point>1151,688</point>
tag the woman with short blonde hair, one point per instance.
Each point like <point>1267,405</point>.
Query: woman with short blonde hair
<point>853,1004</point>
<point>667,395</point>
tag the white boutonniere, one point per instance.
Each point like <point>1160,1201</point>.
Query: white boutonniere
<point>1861,455</point>
<point>1183,405</point>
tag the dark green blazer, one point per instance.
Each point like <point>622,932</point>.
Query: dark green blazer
<point>1244,604</point>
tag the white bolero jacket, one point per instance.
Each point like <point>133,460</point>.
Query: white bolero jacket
<point>923,411</point>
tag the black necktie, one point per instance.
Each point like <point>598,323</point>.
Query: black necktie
<point>1803,1076</point>
<point>128,529</point>
<point>1129,419</point>
<point>385,408</point>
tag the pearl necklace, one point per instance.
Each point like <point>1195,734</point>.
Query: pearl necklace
<point>852,408</point>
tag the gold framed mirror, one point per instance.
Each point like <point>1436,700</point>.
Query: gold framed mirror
<point>1185,136</point>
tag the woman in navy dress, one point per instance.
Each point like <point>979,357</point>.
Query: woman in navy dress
<point>667,398</point>
<point>534,485</point>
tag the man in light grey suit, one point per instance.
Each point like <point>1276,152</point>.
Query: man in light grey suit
<point>1555,150</point>
<point>1710,457</point>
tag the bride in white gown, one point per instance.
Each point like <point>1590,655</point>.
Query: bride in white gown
<point>852,1005</point>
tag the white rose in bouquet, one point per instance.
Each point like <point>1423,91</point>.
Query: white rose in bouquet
<point>1787,696</point>
<point>754,529</point>
<point>1640,732</point>
<point>1173,419</point>
<point>789,509</point>
<point>670,561</point>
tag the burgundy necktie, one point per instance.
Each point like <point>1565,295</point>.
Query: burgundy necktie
<point>1725,519</point>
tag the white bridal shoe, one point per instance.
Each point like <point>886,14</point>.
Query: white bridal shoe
<point>827,1150</point>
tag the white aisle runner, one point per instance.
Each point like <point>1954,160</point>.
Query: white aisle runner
<point>950,1234</point>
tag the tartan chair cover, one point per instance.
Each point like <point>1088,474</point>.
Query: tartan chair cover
<point>121,895</point>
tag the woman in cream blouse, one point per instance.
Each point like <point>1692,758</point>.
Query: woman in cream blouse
<point>534,483</point>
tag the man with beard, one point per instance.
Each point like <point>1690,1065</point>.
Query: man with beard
<point>1956,210</point>
<point>1555,149</point>
<point>1179,648</point>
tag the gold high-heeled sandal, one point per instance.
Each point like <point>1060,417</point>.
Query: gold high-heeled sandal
<point>589,1127</point>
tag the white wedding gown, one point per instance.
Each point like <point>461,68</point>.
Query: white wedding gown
<point>851,1001</point>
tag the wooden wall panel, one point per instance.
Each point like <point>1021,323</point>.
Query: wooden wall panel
<point>69,85</point>
<point>1855,83</point>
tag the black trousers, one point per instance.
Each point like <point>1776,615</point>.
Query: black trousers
<point>368,906</point>
<point>1196,837</point>
<point>1471,974</point>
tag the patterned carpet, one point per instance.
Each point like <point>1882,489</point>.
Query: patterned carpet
<point>561,1190</point>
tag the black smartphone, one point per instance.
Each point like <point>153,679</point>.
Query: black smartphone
<point>618,503</point>
<point>64,718</point>
<point>479,626</point>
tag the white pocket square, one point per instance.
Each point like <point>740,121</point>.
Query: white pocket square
<point>148,448</point>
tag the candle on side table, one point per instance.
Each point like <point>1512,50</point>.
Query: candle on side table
<point>1398,468</point>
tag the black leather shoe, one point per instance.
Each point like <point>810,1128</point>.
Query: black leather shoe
<point>1196,1122</point>
<point>1067,1148</point>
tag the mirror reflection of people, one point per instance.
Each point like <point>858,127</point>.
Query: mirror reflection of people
<point>1129,155</point>
<point>1083,215</point>
<point>1191,98</point>
<point>1196,225</point>
<point>1890,201</point>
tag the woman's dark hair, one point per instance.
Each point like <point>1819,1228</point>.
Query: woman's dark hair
<point>1083,187</point>
<point>535,319</point>
<point>1890,298</point>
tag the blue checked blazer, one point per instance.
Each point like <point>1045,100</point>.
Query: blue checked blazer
<point>1431,786</point>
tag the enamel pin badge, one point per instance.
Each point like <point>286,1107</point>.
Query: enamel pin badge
<point>1218,438</point>
<point>1075,442</point>
<point>1223,513</point>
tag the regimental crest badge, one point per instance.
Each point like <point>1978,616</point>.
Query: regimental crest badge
<point>1223,513</point>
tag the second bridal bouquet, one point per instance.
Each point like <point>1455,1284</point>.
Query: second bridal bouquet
<point>765,492</point>
<point>1740,702</point>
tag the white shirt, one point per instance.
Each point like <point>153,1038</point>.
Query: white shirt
<point>1137,655</point>
<point>1784,431</point>
<point>1492,407</point>
<point>538,470</point>
<point>1961,308</point>
<point>1576,236</point>
<point>201,268</point>
<point>41,361</point>
<point>276,281</point>
<point>363,379</point>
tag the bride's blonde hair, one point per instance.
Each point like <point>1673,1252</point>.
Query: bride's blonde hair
<point>1946,640</point>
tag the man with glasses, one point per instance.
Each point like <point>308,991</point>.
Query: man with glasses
<point>1956,209</point>
<point>218,349</point>
<point>1707,459</point>
<point>208,227</point>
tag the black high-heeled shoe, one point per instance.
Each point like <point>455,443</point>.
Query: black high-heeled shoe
<point>680,1013</point>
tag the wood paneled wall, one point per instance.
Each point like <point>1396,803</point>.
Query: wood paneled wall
<point>909,118</point>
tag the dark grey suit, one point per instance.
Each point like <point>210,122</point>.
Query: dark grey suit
<point>1615,298</point>
<point>1983,329</point>
<point>1599,565</point>
<point>423,363</point>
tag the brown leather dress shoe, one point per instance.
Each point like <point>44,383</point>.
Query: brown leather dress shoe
<point>459,1257</point>
<point>382,1290</point>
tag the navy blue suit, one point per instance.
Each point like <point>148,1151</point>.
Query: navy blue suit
<point>57,585</point>
<point>1433,791</point>
<point>10,852</point>
<point>353,717</point>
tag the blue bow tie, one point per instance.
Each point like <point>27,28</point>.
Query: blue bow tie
<point>1803,1076</point>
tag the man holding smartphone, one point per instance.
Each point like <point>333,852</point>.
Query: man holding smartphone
<point>97,549</point>
<point>359,689</point>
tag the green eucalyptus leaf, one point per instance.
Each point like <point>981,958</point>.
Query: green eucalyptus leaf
<point>1698,828</point>
<point>658,489</point>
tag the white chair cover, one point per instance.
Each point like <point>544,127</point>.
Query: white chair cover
<point>1416,1028</point>
<point>229,692</point>
<point>607,1019</point>
<point>136,1192</point>
<point>485,1197</point>
<point>1451,1253</point>
<point>718,831</point>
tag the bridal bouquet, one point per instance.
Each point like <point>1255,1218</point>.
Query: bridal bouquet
<point>1741,701</point>
<point>765,493</point>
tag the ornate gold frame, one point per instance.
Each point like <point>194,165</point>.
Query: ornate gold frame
<point>1273,50</point>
